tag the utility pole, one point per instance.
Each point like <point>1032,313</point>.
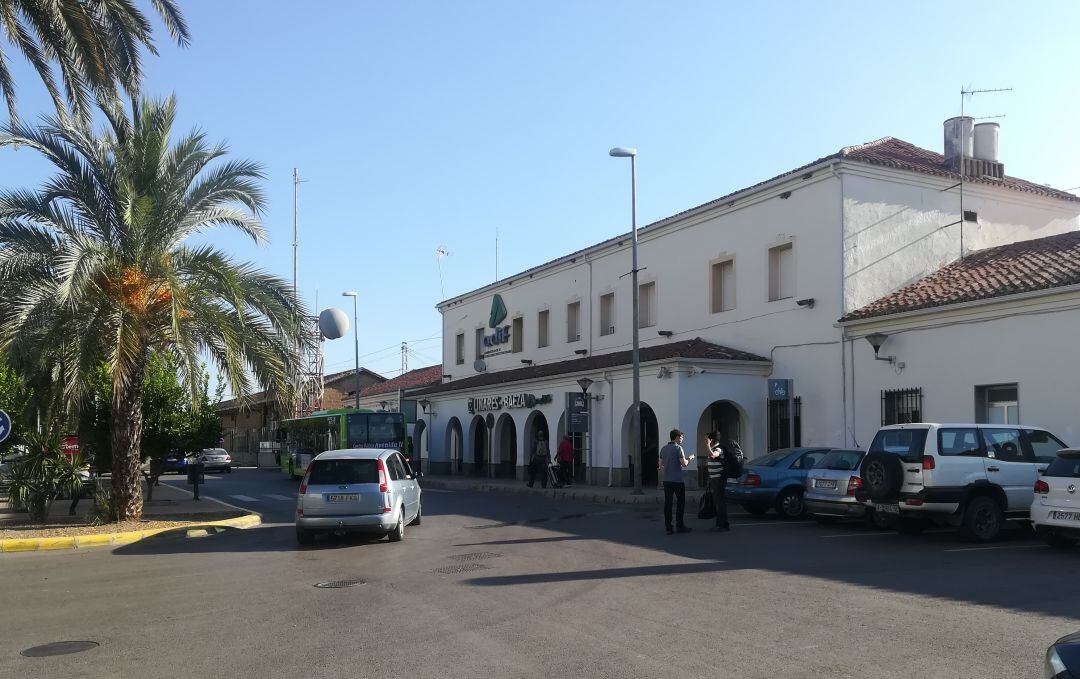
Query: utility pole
<point>404,357</point>
<point>295,230</point>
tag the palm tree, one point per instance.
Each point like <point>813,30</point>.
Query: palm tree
<point>93,43</point>
<point>98,266</point>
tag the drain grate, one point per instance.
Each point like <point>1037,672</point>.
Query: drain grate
<point>475,556</point>
<point>462,568</point>
<point>339,584</point>
<point>58,648</point>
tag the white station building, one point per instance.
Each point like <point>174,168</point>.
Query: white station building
<point>758,305</point>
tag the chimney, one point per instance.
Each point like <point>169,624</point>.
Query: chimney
<point>972,150</point>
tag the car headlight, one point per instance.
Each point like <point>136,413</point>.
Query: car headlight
<point>1054,668</point>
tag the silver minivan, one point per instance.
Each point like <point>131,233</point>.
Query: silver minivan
<point>362,491</point>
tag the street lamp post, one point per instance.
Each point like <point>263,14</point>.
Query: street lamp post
<point>635,412</point>
<point>356,343</point>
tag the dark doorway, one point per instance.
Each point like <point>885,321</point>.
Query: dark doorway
<point>480,447</point>
<point>506,447</point>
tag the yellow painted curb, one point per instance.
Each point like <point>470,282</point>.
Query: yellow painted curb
<point>125,538</point>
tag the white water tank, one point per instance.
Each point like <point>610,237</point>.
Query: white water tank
<point>986,141</point>
<point>958,135</point>
<point>333,323</point>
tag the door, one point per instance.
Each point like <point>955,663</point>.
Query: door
<point>1010,464</point>
<point>410,494</point>
<point>954,466</point>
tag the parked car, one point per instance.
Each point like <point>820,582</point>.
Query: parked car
<point>1055,512</point>
<point>975,476</point>
<point>1063,658</point>
<point>775,481</point>
<point>215,458</point>
<point>176,462</point>
<point>364,490</point>
<point>831,486</point>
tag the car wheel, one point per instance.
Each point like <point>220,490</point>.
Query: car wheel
<point>877,521</point>
<point>305,536</point>
<point>790,504</point>
<point>756,510</point>
<point>398,534</point>
<point>228,470</point>
<point>910,526</point>
<point>983,519</point>
<point>1058,541</point>
<point>826,520</point>
<point>419,513</point>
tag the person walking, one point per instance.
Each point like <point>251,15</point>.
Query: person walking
<point>672,463</point>
<point>566,460</point>
<point>717,482</point>
<point>541,458</point>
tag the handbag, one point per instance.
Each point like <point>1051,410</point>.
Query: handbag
<point>706,506</point>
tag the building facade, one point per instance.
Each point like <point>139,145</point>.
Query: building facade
<point>738,295</point>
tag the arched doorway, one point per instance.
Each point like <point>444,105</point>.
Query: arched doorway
<point>649,441</point>
<point>578,442</point>
<point>418,449</point>
<point>479,443</point>
<point>506,447</point>
<point>455,444</point>
<point>534,424</point>
<point>725,419</point>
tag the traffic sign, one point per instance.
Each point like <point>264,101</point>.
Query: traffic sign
<point>5,426</point>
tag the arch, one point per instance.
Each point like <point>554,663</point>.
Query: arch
<point>727,419</point>
<point>649,440</point>
<point>418,449</point>
<point>505,455</point>
<point>479,447</point>
<point>455,445</point>
<point>534,424</point>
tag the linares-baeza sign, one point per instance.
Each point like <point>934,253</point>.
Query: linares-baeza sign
<point>487,404</point>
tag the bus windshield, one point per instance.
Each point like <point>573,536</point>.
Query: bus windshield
<point>376,430</point>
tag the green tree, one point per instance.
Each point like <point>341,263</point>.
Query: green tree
<point>94,44</point>
<point>15,398</point>
<point>97,267</point>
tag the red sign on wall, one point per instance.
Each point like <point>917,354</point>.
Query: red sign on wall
<point>70,446</point>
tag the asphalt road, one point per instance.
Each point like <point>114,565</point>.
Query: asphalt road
<point>515,586</point>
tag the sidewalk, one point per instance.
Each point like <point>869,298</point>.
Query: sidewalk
<point>580,493</point>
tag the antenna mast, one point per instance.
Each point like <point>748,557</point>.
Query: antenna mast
<point>963,93</point>
<point>404,357</point>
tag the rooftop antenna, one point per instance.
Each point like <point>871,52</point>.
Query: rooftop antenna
<point>496,253</point>
<point>967,92</point>
<point>296,181</point>
<point>404,357</point>
<point>441,253</point>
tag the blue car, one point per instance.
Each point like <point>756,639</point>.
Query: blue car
<point>175,462</point>
<point>775,481</point>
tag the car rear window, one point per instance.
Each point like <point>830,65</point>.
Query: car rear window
<point>341,472</point>
<point>1067,467</point>
<point>841,460</point>
<point>907,443</point>
<point>770,460</point>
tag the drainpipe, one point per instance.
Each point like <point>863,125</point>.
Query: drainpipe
<point>611,425</point>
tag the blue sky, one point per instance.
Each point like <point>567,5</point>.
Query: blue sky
<point>425,124</point>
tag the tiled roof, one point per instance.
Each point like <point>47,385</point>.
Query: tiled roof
<point>886,152</point>
<point>421,377</point>
<point>263,396</point>
<point>694,348</point>
<point>1027,266</point>
<point>334,377</point>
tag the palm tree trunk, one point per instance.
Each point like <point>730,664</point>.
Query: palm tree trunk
<point>127,425</point>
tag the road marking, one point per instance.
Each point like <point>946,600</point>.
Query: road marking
<point>855,535</point>
<point>981,549</point>
<point>245,498</point>
<point>435,490</point>
<point>771,525</point>
<point>277,497</point>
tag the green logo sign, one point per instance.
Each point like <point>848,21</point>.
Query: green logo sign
<point>498,312</point>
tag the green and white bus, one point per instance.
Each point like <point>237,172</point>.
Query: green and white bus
<point>305,437</point>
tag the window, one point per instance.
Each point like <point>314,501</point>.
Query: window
<point>901,406</point>
<point>393,466</point>
<point>841,460</point>
<point>607,313</point>
<point>1067,467</point>
<point>723,286</point>
<point>808,460</point>
<point>542,328</point>
<point>780,425</point>
<point>647,305</point>
<point>997,404</point>
<point>1004,445</point>
<point>781,272</point>
<point>573,326</point>
<point>907,443</point>
<point>479,342</point>
<point>459,348</point>
<point>963,442</point>
<point>343,472</point>
<point>517,339</point>
<point>1044,445</point>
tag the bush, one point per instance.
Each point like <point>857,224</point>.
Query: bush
<point>42,474</point>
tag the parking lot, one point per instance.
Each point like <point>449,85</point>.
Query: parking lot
<point>495,585</point>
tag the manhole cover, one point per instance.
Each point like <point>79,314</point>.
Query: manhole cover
<point>59,648</point>
<point>462,568</point>
<point>338,584</point>
<point>475,556</point>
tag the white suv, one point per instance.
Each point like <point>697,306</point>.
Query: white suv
<point>974,476</point>
<point>1055,513</point>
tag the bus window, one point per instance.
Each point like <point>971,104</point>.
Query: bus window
<point>357,433</point>
<point>386,428</point>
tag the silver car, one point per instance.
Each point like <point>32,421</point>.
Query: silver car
<point>363,491</point>
<point>215,458</point>
<point>831,486</point>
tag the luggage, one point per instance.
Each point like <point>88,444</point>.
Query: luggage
<point>706,506</point>
<point>553,476</point>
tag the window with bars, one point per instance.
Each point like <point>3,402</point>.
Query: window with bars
<point>780,424</point>
<point>901,406</point>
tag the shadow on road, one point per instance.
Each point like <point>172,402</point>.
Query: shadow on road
<point>221,540</point>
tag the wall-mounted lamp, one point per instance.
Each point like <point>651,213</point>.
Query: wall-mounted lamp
<point>425,405</point>
<point>585,383</point>
<point>384,404</point>
<point>694,370</point>
<point>581,352</point>
<point>665,333</point>
<point>527,361</point>
<point>808,302</point>
<point>876,340</point>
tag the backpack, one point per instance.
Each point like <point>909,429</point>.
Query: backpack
<point>733,460</point>
<point>706,506</point>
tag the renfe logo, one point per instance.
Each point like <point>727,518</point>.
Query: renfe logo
<point>502,332</point>
<point>498,312</point>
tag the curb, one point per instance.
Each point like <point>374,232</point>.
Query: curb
<point>114,539</point>
<point>649,498</point>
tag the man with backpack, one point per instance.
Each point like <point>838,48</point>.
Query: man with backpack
<point>725,462</point>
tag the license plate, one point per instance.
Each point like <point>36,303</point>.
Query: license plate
<point>343,497</point>
<point>887,509</point>
<point>1065,516</point>
<point>825,483</point>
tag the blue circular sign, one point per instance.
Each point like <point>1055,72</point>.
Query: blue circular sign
<point>5,426</point>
